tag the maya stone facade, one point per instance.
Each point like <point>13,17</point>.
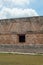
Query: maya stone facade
<point>30,27</point>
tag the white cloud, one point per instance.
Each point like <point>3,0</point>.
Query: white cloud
<point>15,3</point>
<point>12,9</point>
<point>18,2</point>
<point>1,3</point>
<point>16,12</point>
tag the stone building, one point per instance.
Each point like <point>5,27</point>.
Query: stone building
<point>21,30</point>
<point>25,31</point>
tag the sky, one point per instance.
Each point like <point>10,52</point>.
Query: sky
<point>20,8</point>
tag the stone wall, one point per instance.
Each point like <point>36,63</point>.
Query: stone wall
<point>21,25</point>
<point>34,38</point>
<point>14,39</point>
<point>21,48</point>
<point>32,27</point>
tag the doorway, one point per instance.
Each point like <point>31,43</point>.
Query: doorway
<point>21,38</point>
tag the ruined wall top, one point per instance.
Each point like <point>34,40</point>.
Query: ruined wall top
<point>24,19</point>
<point>18,25</point>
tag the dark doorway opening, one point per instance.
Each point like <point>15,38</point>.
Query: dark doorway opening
<point>21,38</point>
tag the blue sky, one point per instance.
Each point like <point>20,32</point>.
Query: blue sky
<point>20,8</point>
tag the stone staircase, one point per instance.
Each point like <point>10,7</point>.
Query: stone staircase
<point>21,48</point>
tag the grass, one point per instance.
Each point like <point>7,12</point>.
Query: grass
<point>17,59</point>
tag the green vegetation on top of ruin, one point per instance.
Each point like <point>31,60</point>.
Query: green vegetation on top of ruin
<point>21,18</point>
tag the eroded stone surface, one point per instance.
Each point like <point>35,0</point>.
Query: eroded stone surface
<point>32,27</point>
